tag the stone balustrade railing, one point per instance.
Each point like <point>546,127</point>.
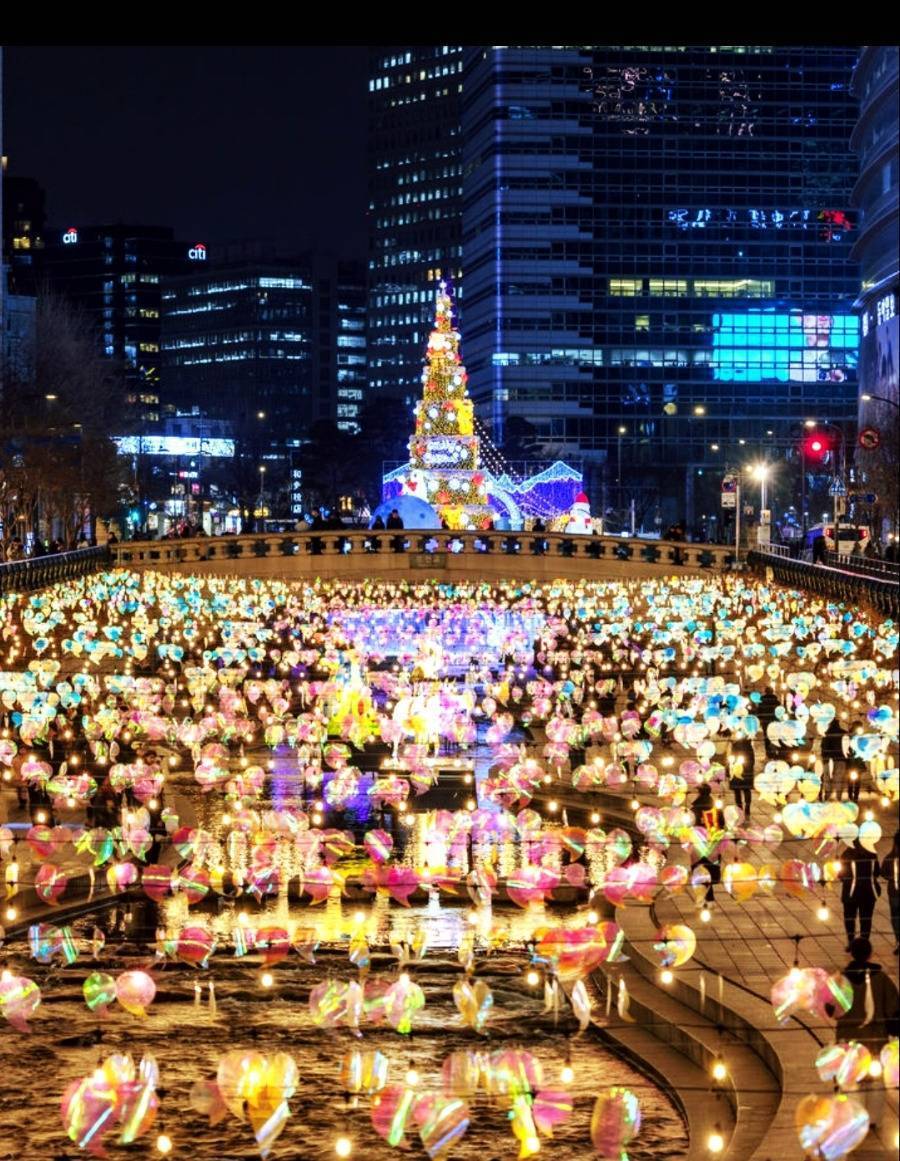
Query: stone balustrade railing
<point>364,553</point>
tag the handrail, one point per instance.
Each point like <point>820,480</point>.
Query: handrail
<point>36,572</point>
<point>864,564</point>
<point>882,592</point>
<point>424,549</point>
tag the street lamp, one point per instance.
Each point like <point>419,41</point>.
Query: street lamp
<point>622,431</point>
<point>880,399</point>
<point>760,473</point>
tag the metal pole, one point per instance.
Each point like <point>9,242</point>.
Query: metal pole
<point>737,520</point>
<point>803,491</point>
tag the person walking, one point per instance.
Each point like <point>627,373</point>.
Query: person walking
<point>741,765</point>
<point>859,890</point>
<point>706,814</point>
<point>834,757</point>
<point>871,1020</point>
<point>872,1017</point>
<point>765,711</point>
<point>890,873</point>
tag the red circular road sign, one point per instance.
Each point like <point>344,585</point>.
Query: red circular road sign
<point>870,438</point>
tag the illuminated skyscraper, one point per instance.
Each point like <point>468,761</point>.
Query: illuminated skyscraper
<point>415,187</point>
<point>656,252</point>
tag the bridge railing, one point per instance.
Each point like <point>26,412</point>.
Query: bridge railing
<point>420,549</point>
<point>881,591</point>
<point>19,576</point>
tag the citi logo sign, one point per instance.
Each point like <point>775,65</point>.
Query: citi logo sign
<point>197,253</point>
<point>70,237</point>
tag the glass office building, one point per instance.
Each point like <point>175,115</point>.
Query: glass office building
<point>238,344</point>
<point>876,139</point>
<point>656,249</point>
<point>115,275</point>
<point>415,188</point>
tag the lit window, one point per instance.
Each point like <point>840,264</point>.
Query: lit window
<point>668,287</point>
<point>626,287</point>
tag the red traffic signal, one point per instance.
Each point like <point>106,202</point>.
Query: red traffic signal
<point>816,447</point>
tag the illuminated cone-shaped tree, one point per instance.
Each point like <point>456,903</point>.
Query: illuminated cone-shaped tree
<point>443,452</point>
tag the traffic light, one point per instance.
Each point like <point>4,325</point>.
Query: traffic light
<point>816,446</point>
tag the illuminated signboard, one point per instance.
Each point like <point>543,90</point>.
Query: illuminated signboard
<point>70,237</point>
<point>880,355</point>
<point>830,224</point>
<point>885,309</point>
<point>173,445</point>
<point>756,346</point>
<point>197,252</point>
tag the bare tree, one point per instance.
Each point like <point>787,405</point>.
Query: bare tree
<point>58,466</point>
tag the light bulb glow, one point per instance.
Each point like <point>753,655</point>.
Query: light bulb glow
<point>715,1142</point>
<point>343,1146</point>
<point>163,1144</point>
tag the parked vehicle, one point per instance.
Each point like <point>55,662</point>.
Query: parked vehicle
<point>850,538</point>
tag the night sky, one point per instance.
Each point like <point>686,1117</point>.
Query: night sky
<point>221,143</point>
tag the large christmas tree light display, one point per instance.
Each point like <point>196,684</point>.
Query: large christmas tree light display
<point>444,451</point>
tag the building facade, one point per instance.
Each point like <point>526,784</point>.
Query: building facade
<point>876,139</point>
<point>115,274</point>
<point>341,339</point>
<point>24,221</point>
<point>876,83</point>
<point>272,344</point>
<point>237,344</point>
<point>656,250</point>
<point>415,201</point>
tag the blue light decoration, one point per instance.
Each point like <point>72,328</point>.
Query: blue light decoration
<point>760,345</point>
<point>549,492</point>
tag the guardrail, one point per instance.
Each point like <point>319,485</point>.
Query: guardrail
<point>881,592</point>
<point>355,551</point>
<point>867,565</point>
<point>19,576</point>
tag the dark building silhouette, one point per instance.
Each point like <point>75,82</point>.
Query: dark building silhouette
<point>24,222</point>
<point>115,274</point>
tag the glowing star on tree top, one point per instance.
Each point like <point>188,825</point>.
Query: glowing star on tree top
<point>444,451</point>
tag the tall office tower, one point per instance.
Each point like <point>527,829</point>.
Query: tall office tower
<point>238,345</point>
<point>270,343</point>
<point>656,252</point>
<point>115,274</point>
<point>875,140</point>
<point>415,192</point>
<point>341,339</point>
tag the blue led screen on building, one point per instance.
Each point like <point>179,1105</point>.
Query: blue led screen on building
<point>758,345</point>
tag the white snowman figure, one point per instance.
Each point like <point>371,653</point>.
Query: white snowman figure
<point>580,516</point>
